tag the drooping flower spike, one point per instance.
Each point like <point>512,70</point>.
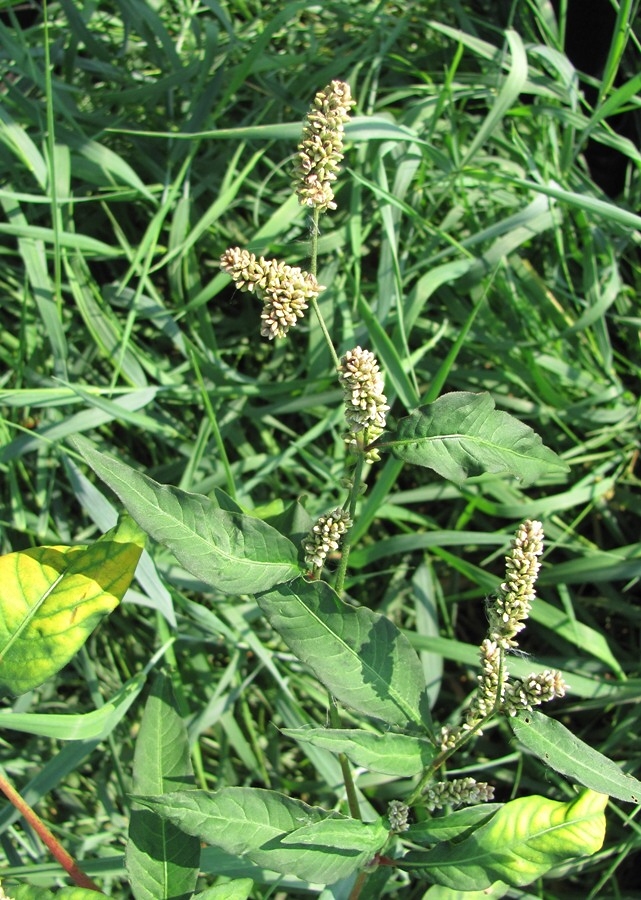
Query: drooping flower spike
<point>496,691</point>
<point>285,290</point>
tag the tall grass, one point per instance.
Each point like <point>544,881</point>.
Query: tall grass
<point>471,250</point>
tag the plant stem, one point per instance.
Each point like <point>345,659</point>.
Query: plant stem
<point>48,839</point>
<point>442,757</point>
<point>350,787</point>
<point>313,268</point>
<point>351,509</point>
<point>213,420</point>
<point>358,886</point>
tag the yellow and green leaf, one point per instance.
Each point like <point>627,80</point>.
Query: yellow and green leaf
<point>51,599</point>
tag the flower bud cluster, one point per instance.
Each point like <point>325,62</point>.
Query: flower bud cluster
<point>525,693</point>
<point>398,814</point>
<point>365,403</point>
<point>457,792</point>
<point>321,148</point>
<point>325,537</point>
<point>285,290</point>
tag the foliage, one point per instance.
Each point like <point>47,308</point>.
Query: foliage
<point>474,255</point>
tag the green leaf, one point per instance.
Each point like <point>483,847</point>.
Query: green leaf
<point>31,892</point>
<point>439,892</point>
<point>565,753</point>
<point>461,435</point>
<point>256,823</point>
<point>235,553</point>
<point>359,655</point>
<point>340,834</point>
<point>391,754</point>
<point>524,840</point>
<point>239,889</point>
<point>162,861</point>
<point>91,726</point>
<point>451,826</point>
<point>53,597</point>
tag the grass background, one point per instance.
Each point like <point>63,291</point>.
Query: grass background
<point>471,250</point>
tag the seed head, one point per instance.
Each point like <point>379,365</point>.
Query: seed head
<point>525,693</point>
<point>398,814</point>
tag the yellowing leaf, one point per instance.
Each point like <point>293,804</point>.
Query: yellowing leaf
<point>525,839</point>
<point>51,599</point>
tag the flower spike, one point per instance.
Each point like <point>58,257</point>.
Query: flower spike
<point>285,290</point>
<point>321,149</point>
<point>365,403</point>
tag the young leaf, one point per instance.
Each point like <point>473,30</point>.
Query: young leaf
<point>401,755</point>
<point>461,435</point>
<point>341,834</point>
<point>235,553</point>
<point>524,840</point>
<point>360,656</point>
<point>450,826</point>
<point>256,823</point>
<point>162,861</point>
<point>565,753</point>
<point>53,597</point>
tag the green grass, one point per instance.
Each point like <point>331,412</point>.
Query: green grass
<point>470,251</point>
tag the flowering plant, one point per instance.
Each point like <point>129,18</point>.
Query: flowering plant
<point>367,665</point>
<point>365,662</point>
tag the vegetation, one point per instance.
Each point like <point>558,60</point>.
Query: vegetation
<point>472,253</point>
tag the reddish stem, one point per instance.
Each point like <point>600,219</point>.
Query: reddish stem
<point>45,835</point>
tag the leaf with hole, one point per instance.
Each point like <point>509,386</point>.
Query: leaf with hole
<point>566,753</point>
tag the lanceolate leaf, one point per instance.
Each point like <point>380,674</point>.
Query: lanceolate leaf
<point>461,435</point>
<point>360,656</point>
<point>261,826</point>
<point>162,860</point>
<point>524,840</point>
<point>559,748</point>
<point>233,552</point>
<point>452,825</point>
<point>51,599</point>
<point>95,725</point>
<point>402,755</point>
